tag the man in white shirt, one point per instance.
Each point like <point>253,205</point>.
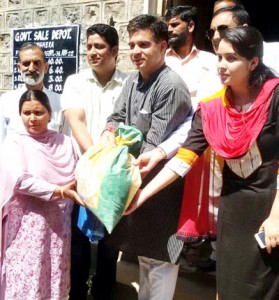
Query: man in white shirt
<point>183,56</point>
<point>87,101</point>
<point>33,66</point>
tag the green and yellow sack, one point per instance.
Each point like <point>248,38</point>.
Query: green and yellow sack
<point>106,178</point>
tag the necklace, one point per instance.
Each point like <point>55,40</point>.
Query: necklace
<point>244,107</point>
<point>240,108</point>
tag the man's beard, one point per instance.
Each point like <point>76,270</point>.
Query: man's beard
<point>31,80</point>
<point>178,41</point>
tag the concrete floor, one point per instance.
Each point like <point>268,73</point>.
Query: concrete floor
<point>191,284</point>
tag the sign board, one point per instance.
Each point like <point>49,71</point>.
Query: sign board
<point>61,48</point>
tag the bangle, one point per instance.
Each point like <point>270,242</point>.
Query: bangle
<point>110,129</point>
<point>62,192</point>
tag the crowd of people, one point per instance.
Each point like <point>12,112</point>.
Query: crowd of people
<point>209,160</point>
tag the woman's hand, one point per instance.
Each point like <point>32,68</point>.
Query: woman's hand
<point>137,201</point>
<point>68,191</point>
<point>165,177</point>
<point>271,228</point>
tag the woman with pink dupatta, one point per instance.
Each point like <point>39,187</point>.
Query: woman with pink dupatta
<point>37,191</point>
<point>241,124</point>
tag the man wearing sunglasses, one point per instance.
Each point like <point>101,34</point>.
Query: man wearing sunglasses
<point>224,18</point>
<point>233,16</point>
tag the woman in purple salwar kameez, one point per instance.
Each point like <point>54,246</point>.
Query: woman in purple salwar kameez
<point>36,191</point>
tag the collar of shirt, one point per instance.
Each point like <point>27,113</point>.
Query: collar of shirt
<point>194,52</point>
<point>23,89</point>
<point>117,77</point>
<point>141,84</point>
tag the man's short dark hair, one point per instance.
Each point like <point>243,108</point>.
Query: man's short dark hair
<point>107,32</point>
<point>29,45</point>
<point>155,24</point>
<point>240,15</point>
<point>186,13</point>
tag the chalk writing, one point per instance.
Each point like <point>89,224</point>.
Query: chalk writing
<point>61,48</point>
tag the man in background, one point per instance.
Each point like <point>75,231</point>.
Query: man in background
<point>191,63</point>
<point>32,66</point>
<point>231,16</point>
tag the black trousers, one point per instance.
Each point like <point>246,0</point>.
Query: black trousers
<point>105,276</point>
<point>80,260</point>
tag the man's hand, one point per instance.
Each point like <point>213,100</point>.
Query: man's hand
<point>107,138</point>
<point>148,160</point>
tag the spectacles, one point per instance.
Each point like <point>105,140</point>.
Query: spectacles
<point>210,32</point>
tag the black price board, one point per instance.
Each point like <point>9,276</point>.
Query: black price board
<point>61,48</point>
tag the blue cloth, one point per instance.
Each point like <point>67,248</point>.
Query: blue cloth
<point>90,225</point>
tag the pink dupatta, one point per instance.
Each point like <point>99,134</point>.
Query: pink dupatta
<point>50,158</point>
<point>231,133</point>
<point>229,137</point>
